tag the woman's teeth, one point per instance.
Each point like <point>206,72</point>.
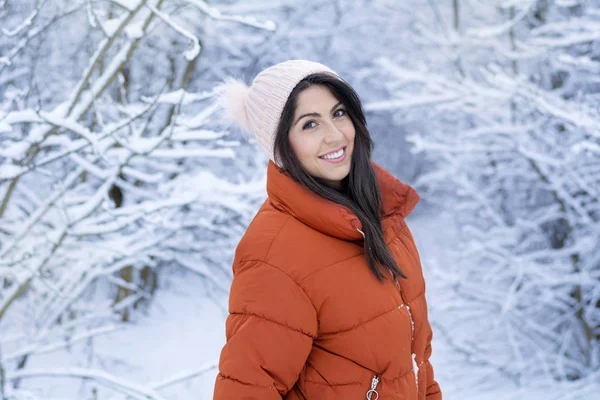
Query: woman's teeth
<point>337,154</point>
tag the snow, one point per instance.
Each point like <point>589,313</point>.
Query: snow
<point>8,171</point>
<point>490,31</point>
<point>184,134</point>
<point>586,145</point>
<point>15,150</point>
<point>412,102</point>
<point>195,50</point>
<point>135,31</point>
<point>126,173</point>
<point>415,368</point>
<point>25,24</point>
<point>193,152</point>
<point>185,331</point>
<point>128,4</point>
<point>459,375</point>
<point>56,119</point>
<point>5,128</point>
<point>27,115</point>
<point>567,3</point>
<point>180,96</point>
<point>110,26</point>
<point>267,25</point>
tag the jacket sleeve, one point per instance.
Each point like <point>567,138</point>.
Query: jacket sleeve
<point>269,332</point>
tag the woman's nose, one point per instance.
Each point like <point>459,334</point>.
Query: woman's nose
<point>332,133</point>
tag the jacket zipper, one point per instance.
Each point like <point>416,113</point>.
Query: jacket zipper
<point>373,390</point>
<point>375,379</point>
<point>412,324</point>
<point>412,330</point>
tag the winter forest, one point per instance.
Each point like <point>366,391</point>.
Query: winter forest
<point>123,194</point>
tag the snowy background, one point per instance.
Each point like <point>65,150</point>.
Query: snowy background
<point>123,196</point>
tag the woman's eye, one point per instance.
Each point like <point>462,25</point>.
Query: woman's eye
<point>340,112</point>
<point>309,125</point>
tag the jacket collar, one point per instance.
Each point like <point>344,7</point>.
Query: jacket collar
<point>330,218</point>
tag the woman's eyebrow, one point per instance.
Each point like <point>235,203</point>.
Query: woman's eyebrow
<point>314,114</point>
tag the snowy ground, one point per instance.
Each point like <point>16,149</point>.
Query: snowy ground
<point>174,348</point>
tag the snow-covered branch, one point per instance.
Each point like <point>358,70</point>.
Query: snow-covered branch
<point>512,153</point>
<point>214,13</point>
<point>104,174</point>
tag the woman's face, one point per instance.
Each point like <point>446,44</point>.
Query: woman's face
<point>322,135</point>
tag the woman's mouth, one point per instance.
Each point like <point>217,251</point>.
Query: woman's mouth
<point>335,156</point>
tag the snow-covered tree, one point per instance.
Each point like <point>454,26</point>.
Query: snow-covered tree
<point>509,117</point>
<point>112,166</point>
<point>115,169</point>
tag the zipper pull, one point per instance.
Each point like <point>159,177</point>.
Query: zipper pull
<point>372,392</point>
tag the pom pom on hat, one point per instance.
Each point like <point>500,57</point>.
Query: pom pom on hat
<point>232,95</point>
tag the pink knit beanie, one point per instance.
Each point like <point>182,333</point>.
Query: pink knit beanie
<point>257,108</point>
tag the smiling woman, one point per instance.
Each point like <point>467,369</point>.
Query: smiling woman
<point>328,298</point>
<point>322,136</point>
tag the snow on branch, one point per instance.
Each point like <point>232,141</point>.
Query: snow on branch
<point>217,15</point>
<point>195,50</point>
<point>184,375</point>
<point>136,391</point>
<point>101,179</point>
<point>502,29</point>
<point>514,156</point>
<point>26,23</point>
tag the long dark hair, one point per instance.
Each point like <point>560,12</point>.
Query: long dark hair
<point>360,193</point>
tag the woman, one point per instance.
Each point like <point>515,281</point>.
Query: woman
<point>328,298</point>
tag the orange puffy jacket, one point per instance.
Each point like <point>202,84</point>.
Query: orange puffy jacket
<point>307,317</point>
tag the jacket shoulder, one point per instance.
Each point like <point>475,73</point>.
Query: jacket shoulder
<point>277,238</point>
<point>260,234</point>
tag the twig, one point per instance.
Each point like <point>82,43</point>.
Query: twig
<point>136,391</point>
